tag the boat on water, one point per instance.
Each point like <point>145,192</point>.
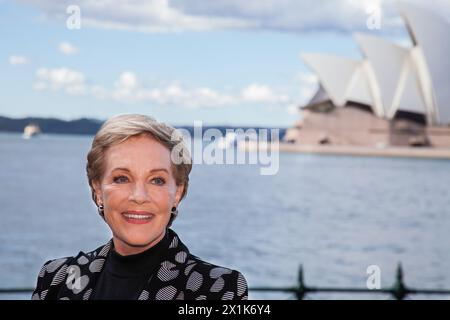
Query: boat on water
<point>31,130</point>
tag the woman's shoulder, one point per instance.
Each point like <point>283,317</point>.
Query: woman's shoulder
<point>206,280</point>
<point>51,270</point>
<point>53,265</point>
<point>54,271</point>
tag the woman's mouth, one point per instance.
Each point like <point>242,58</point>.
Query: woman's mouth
<point>137,217</point>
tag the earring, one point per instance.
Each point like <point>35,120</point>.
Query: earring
<point>174,212</point>
<point>173,215</point>
<point>101,210</point>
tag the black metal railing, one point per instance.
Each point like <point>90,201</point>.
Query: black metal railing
<point>398,290</point>
<point>16,290</point>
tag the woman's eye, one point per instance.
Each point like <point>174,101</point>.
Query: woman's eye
<point>120,179</point>
<point>159,181</point>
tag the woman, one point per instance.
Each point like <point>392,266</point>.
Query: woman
<point>138,170</point>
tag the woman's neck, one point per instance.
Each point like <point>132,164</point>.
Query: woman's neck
<point>125,249</point>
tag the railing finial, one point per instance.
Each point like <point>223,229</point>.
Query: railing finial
<point>399,290</point>
<point>301,290</point>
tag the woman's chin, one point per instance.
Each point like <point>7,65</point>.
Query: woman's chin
<point>141,239</point>
<point>139,243</point>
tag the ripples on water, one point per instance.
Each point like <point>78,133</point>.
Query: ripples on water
<point>336,215</point>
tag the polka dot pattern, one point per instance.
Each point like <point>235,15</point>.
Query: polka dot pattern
<point>241,285</point>
<point>180,257</point>
<point>189,268</point>
<point>55,264</point>
<point>96,265</point>
<point>174,243</point>
<point>144,295</point>
<point>218,285</point>
<point>195,281</point>
<point>181,276</point>
<point>166,293</point>
<point>165,273</point>
<point>87,294</point>
<point>60,276</point>
<point>219,271</point>
<point>44,294</point>
<point>228,295</point>
<point>83,260</point>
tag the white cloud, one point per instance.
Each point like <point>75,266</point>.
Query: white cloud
<point>173,94</point>
<point>71,81</point>
<point>67,48</point>
<point>261,93</point>
<point>125,87</point>
<point>15,60</point>
<point>127,80</point>
<point>137,15</point>
<point>128,88</point>
<point>200,15</point>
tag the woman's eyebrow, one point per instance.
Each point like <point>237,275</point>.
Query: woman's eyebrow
<point>123,169</point>
<point>159,169</point>
<point>151,171</point>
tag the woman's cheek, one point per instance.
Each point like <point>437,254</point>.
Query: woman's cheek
<point>161,197</point>
<point>115,194</point>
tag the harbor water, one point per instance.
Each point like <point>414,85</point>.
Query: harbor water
<point>335,215</point>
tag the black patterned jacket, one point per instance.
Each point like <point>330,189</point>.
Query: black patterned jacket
<point>180,276</point>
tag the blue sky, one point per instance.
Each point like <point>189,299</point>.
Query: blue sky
<point>226,63</point>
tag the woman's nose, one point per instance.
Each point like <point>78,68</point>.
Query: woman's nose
<point>139,193</point>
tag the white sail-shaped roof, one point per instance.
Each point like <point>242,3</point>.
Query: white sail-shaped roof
<point>387,60</point>
<point>345,80</point>
<point>334,74</point>
<point>320,96</point>
<point>409,95</point>
<point>431,33</point>
<point>358,89</point>
<point>393,77</point>
<point>363,88</point>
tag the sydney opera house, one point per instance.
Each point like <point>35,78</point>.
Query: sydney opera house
<point>393,96</point>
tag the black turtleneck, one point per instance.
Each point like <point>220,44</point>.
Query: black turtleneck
<point>124,277</point>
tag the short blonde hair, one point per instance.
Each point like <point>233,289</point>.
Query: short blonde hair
<point>120,128</point>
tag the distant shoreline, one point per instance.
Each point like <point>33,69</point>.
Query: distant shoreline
<point>398,152</point>
<point>51,125</point>
<point>86,126</point>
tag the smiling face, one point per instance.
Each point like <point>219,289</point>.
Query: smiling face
<point>137,190</point>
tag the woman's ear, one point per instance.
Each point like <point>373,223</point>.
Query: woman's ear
<point>178,194</point>
<point>97,192</point>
